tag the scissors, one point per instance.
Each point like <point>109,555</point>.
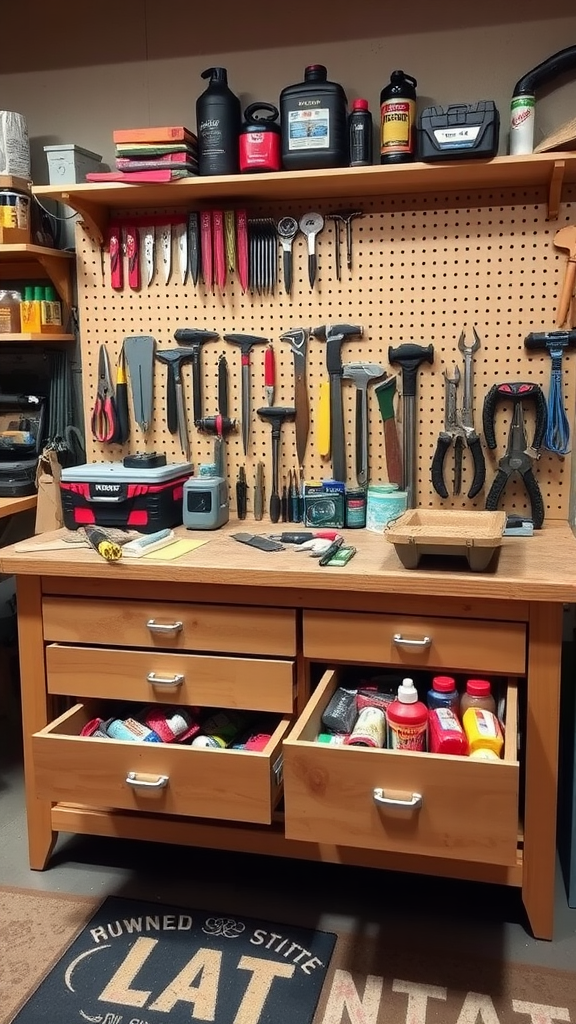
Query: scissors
<point>104,417</point>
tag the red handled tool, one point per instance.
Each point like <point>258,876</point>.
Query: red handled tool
<point>133,254</point>
<point>206,249</point>
<point>269,374</point>
<point>116,264</point>
<point>104,416</point>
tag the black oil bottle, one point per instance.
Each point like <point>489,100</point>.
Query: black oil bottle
<point>218,125</point>
<point>398,119</point>
<point>313,117</point>
<point>360,131</point>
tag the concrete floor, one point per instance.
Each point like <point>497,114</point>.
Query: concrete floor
<point>484,919</point>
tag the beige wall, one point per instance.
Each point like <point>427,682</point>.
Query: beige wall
<point>137,62</point>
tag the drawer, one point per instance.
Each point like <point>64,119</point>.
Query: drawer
<point>253,684</point>
<point>228,629</point>
<point>468,809</point>
<point>232,785</point>
<point>414,641</point>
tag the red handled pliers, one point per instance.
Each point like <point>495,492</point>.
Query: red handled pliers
<point>104,416</point>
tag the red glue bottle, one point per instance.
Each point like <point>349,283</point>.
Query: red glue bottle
<point>407,719</point>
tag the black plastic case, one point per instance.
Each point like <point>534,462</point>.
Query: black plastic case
<point>462,131</point>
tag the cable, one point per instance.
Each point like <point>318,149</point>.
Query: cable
<point>557,437</point>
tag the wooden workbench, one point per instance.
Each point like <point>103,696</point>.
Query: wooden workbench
<point>270,632</point>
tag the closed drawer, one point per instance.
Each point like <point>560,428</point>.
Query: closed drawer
<point>469,808</point>
<point>174,626</point>
<point>473,645</point>
<point>232,785</point>
<point>254,684</point>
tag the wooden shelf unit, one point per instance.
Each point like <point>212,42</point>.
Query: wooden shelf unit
<point>24,260</point>
<point>93,201</point>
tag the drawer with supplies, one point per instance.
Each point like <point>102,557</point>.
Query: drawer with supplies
<point>413,640</point>
<point>226,629</point>
<point>163,778</point>
<point>398,801</point>
<point>255,684</point>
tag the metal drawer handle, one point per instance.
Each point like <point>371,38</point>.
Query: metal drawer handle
<point>160,783</point>
<point>169,627</point>
<point>412,803</point>
<point>176,680</point>
<point>426,641</point>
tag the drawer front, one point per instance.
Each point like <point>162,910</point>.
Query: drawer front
<point>229,785</point>
<point>253,684</point>
<point>171,625</point>
<point>417,642</point>
<point>469,809</point>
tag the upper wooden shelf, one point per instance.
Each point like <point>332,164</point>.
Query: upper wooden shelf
<point>94,201</point>
<point>26,251</point>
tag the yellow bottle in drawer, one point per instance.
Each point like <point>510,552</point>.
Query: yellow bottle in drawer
<point>483,730</point>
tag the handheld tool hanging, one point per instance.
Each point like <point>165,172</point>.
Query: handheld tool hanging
<point>409,357</point>
<point>176,419</point>
<point>104,422</point>
<point>519,457</point>
<point>566,239</point>
<point>385,397</point>
<point>139,354</point>
<point>557,436</point>
<point>245,343</point>
<point>334,335</point>
<point>362,374</point>
<point>276,416</point>
<point>194,338</point>
<point>221,424</point>
<point>459,427</point>
<point>297,338</point>
<point>123,430</point>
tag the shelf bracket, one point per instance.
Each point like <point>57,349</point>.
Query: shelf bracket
<point>555,189</point>
<point>59,272</point>
<point>95,217</point>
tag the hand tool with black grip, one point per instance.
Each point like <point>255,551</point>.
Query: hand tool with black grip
<point>245,343</point>
<point>385,397</point>
<point>409,357</point>
<point>241,493</point>
<point>362,374</point>
<point>193,338</point>
<point>311,224</point>
<point>519,457</point>
<point>334,335</point>
<point>194,246</point>
<point>297,338</point>
<point>458,433</point>
<point>276,416</point>
<point>122,414</point>
<point>287,230</point>
<point>176,419</point>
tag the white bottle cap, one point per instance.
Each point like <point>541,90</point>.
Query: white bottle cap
<point>407,692</point>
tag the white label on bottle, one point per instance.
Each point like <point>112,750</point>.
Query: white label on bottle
<point>447,719</point>
<point>309,128</point>
<point>457,138</point>
<point>486,723</point>
<point>522,116</point>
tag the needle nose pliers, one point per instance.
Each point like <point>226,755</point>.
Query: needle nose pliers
<point>519,457</point>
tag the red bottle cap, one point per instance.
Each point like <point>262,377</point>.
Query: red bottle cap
<point>478,688</point>
<point>360,105</point>
<point>444,684</point>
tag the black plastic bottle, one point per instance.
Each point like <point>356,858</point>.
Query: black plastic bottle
<point>360,134</point>
<point>313,117</point>
<point>398,119</point>
<point>218,119</point>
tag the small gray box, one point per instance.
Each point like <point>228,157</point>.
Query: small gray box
<point>68,165</point>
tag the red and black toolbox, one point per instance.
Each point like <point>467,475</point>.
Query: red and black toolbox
<point>110,494</point>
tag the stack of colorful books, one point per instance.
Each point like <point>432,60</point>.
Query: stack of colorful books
<point>152,154</point>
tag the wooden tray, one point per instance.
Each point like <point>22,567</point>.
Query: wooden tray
<point>452,532</point>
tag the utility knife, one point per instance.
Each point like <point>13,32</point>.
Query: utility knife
<point>258,541</point>
<point>166,251</point>
<point>147,241</point>
<point>133,255</point>
<point>181,232</point>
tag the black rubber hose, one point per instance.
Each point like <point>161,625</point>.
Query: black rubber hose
<point>550,68</point>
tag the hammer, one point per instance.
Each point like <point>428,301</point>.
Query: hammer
<point>557,437</point>
<point>220,426</point>
<point>194,338</point>
<point>566,239</point>
<point>246,343</point>
<point>334,335</point>
<point>276,416</point>
<point>174,358</point>
<point>409,357</point>
<point>362,374</point>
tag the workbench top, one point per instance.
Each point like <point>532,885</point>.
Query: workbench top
<point>537,568</point>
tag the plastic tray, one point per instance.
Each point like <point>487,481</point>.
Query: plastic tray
<point>476,536</point>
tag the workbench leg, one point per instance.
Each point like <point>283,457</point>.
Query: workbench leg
<point>541,766</point>
<point>36,713</point>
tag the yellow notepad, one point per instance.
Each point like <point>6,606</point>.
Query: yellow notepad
<point>176,550</point>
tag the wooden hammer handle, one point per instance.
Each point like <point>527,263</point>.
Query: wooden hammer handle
<point>567,289</point>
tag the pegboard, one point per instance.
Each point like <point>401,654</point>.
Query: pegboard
<point>423,269</point>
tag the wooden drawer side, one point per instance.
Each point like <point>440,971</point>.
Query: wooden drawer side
<point>415,641</point>
<point>226,629</point>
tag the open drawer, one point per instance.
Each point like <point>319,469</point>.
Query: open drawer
<point>429,804</point>
<point>234,785</point>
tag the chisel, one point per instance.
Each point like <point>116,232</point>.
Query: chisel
<point>385,396</point>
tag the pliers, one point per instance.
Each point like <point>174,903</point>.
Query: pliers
<point>104,421</point>
<point>458,431</point>
<point>519,457</point>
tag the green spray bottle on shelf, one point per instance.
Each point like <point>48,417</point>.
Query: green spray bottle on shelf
<point>398,119</point>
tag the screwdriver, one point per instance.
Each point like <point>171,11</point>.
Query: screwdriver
<point>102,544</point>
